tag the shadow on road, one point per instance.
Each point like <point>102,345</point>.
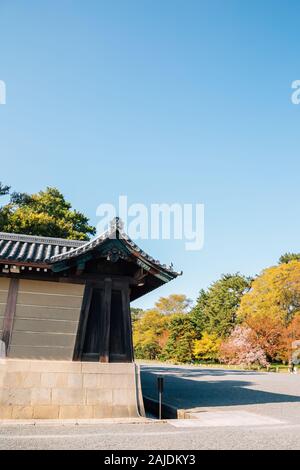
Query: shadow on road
<point>183,390</point>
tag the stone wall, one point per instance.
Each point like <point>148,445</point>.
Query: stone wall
<point>31,389</point>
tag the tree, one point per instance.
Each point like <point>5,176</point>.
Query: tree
<point>291,334</point>
<point>274,294</point>
<point>149,335</point>
<point>46,213</point>
<point>179,346</point>
<point>207,348</point>
<point>4,189</point>
<point>173,304</point>
<point>287,257</point>
<point>136,314</point>
<point>240,348</point>
<point>215,310</point>
<point>269,335</point>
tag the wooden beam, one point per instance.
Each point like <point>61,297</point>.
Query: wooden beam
<point>105,322</point>
<point>80,268</point>
<point>83,319</point>
<point>9,313</point>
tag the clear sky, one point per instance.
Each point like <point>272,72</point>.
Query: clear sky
<point>163,101</point>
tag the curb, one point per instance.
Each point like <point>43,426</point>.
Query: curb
<point>168,411</point>
<point>64,422</point>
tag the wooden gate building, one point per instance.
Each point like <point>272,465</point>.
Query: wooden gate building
<point>65,324</point>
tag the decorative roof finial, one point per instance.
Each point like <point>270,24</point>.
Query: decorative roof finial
<point>116,223</point>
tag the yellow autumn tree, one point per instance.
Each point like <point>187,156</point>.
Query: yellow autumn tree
<point>150,334</point>
<point>208,347</point>
<point>274,294</point>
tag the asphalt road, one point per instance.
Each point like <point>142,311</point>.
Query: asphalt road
<point>231,410</point>
<point>198,389</point>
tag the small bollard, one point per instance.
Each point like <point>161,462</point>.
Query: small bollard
<point>160,387</point>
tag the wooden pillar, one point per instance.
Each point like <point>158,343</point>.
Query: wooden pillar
<point>105,322</point>
<point>127,323</point>
<point>9,313</point>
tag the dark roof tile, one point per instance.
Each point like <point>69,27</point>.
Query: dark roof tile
<point>33,249</point>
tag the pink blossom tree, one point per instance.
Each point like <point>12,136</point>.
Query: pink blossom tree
<point>241,348</point>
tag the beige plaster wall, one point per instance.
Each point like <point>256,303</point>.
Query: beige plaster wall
<point>46,320</point>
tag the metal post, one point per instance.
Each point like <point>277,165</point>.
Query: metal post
<point>160,386</point>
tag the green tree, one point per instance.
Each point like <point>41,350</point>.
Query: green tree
<point>287,257</point>
<point>215,310</point>
<point>4,189</point>
<point>173,304</point>
<point>136,314</point>
<point>46,213</point>
<point>179,346</point>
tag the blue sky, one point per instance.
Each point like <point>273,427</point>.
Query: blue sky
<point>164,101</point>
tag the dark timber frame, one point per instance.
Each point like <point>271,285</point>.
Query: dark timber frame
<point>124,351</point>
<point>9,313</point>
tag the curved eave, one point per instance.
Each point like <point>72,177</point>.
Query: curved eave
<point>142,259</point>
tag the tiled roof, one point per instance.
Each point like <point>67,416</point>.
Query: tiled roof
<point>116,231</point>
<point>46,250</point>
<point>32,249</point>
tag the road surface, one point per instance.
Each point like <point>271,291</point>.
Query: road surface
<point>230,409</point>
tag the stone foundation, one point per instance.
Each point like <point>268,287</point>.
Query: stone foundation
<point>33,389</point>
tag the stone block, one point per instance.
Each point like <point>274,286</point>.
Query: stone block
<point>17,365</point>
<point>33,389</point>
<point>95,367</point>
<point>90,380</point>
<point>5,412</point>
<point>53,379</point>
<point>122,381</point>
<point>22,412</point>
<point>74,380</point>
<point>123,397</point>
<point>67,396</point>
<point>55,366</point>
<point>122,368</point>
<point>119,411</point>
<point>13,380</point>
<point>76,412</point>
<point>45,412</point>
<point>105,381</point>
<point>99,397</point>
<point>20,396</point>
<point>30,379</point>
<point>41,396</point>
<point>61,380</point>
<point>102,411</point>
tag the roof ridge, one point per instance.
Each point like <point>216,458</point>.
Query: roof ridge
<point>39,239</point>
<point>116,228</point>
